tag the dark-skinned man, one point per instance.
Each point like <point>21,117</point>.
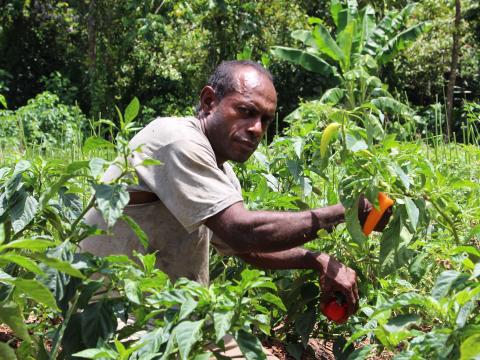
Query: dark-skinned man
<point>194,199</point>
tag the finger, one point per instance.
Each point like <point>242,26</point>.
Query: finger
<point>357,297</point>
<point>351,301</point>
<point>325,297</point>
<point>384,220</point>
<point>364,208</point>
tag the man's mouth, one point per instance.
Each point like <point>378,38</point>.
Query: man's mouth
<point>248,144</point>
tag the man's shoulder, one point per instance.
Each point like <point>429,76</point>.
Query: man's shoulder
<point>164,131</point>
<point>175,126</point>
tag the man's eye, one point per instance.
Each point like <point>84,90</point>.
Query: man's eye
<point>244,111</point>
<point>267,120</point>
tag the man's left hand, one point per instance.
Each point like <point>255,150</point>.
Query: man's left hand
<point>337,278</point>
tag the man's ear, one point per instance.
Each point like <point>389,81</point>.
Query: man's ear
<point>207,100</point>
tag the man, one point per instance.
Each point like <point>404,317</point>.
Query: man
<point>194,198</point>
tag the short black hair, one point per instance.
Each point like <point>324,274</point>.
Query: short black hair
<point>222,79</point>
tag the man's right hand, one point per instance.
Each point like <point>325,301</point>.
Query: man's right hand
<point>337,278</point>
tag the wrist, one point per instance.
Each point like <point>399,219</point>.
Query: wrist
<point>319,262</point>
<point>329,216</point>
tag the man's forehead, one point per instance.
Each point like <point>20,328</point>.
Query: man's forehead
<point>248,78</point>
<point>254,86</point>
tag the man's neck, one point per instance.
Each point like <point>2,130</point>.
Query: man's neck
<point>201,119</point>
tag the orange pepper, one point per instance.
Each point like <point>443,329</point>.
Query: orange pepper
<point>375,215</point>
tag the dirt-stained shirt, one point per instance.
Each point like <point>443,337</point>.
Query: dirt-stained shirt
<point>191,187</point>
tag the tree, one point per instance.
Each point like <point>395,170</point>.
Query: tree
<point>453,68</point>
<point>360,47</point>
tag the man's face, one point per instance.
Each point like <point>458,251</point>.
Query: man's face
<point>236,124</point>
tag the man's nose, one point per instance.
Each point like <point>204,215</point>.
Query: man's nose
<point>255,127</point>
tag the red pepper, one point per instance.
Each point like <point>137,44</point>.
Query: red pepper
<point>334,311</point>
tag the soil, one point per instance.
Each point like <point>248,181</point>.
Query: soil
<point>317,349</point>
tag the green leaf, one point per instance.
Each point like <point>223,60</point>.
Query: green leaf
<point>3,204</point>
<point>326,45</point>
<point>401,322</point>
<point>2,233</point>
<point>464,313</point>
<point>29,244</point>
<point>21,167</point>
<point>148,262</point>
<point>391,106</point>
<point>445,282</point>
<point>404,179</point>
<point>355,143</point>
<point>304,325</point>
<point>6,352</point>
<point>96,143</point>
<point>203,356</point>
<point>470,348</point>
<point>151,343</point>
<point>345,41</point>
<point>150,162</point>
<point>97,322</point>
<point>11,315</point>
<point>141,235</point>
<point>3,101</point>
<point>60,265</point>
<point>187,308</point>
<point>132,291</point>
<point>275,300</point>
<point>97,167</point>
<point>419,266</point>
<point>22,261</point>
<point>353,225</point>
<point>401,42</point>
<point>76,165</point>
<point>250,346</point>
<point>35,290</point>
<point>368,24</point>
<point>304,36</point>
<point>111,200</point>
<point>361,354</point>
<point>467,249</point>
<point>222,322</point>
<point>412,212</point>
<point>101,353</point>
<point>23,211</point>
<point>332,96</point>
<point>393,247</point>
<point>307,60</point>
<point>335,8</point>
<point>131,111</point>
<point>187,333</point>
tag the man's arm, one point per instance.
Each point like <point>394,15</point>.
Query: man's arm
<point>334,276</point>
<point>268,231</point>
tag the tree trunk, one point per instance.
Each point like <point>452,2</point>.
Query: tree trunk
<point>453,68</point>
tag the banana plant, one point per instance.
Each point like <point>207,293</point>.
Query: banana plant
<point>352,56</point>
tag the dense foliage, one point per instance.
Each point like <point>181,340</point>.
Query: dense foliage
<point>356,134</point>
<point>100,53</point>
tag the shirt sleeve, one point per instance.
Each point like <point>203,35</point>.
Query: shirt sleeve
<point>189,182</point>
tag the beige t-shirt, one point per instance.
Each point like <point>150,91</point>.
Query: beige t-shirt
<point>191,188</point>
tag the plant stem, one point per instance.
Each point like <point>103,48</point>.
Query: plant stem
<point>90,205</point>
<point>447,219</point>
<point>63,326</point>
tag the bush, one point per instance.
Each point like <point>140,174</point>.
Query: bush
<point>43,121</point>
